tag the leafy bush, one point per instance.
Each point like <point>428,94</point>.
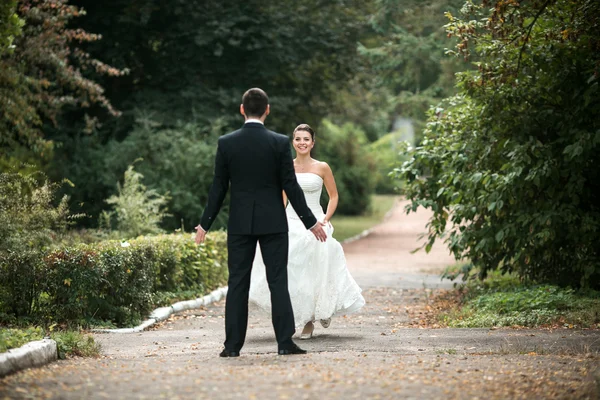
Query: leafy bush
<point>73,343</point>
<point>178,160</point>
<point>510,160</point>
<point>29,223</point>
<point>121,282</point>
<point>385,153</point>
<point>68,343</point>
<point>137,209</point>
<point>109,280</point>
<point>14,338</point>
<point>344,149</point>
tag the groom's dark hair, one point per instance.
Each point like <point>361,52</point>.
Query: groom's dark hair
<point>255,102</point>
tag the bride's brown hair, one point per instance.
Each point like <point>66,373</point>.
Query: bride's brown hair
<point>306,128</point>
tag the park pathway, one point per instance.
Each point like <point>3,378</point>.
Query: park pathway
<point>376,353</point>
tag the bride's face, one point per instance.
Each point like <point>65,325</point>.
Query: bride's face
<point>303,142</point>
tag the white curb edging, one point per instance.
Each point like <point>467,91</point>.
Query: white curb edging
<point>32,354</point>
<point>162,313</point>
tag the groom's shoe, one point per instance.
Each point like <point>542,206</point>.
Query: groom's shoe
<point>229,353</point>
<point>294,349</point>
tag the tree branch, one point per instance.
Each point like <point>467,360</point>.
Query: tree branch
<point>530,28</point>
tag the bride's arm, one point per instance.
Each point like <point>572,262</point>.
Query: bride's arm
<point>331,188</point>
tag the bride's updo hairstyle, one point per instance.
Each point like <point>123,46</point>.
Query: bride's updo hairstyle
<point>306,128</point>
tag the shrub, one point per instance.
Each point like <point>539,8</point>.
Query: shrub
<point>137,209</point>
<point>14,338</point>
<point>510,161</point>
<point>72,343</point>
<point>29,223</point>
<point>178,160</point>
<point>344,149</point>
<point>385,153</point>
<point>121,282</point>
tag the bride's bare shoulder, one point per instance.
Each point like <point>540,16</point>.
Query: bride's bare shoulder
<point>323,168</point>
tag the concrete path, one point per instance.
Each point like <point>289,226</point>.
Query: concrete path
<point>373,354</point>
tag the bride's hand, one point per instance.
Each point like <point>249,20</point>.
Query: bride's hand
<point>318,231</point>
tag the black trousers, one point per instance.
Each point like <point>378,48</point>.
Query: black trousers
<point>242,249</point>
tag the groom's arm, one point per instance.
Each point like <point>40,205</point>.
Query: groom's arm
<point>218,190</point>
<point>292,189</point>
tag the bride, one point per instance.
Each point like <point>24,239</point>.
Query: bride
<point>320,285</point>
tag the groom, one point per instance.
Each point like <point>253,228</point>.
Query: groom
<point>258,165</point>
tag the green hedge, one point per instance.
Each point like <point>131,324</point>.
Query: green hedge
<point>113,281</point>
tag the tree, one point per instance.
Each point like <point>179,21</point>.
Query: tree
<point>344,149</point>
<point>43,74</point>
<point>190,61</point>
<point>408,54</point>
<point>511,160</point>
<point>198,57</point>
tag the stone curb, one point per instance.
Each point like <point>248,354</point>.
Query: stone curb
<point>41,352</point>
<point>32,354</point>
<point>162,313</point>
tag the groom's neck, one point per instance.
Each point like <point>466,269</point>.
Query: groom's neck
<point>261,119</point>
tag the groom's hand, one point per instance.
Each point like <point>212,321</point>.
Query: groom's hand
<point>319,232</point>
<point>200,234</point>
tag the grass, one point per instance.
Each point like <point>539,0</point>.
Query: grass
<point>502,300</point>
<point>14,338</point>
<point>69,343</point>
<point>73,343</point>
<point>348,226</point>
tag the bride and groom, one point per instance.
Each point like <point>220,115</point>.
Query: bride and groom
<point>316,285</point>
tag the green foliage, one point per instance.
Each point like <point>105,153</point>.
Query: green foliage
<point>509,161</point>
<point>344,149</point>
<point>121,282</point>
<point>29,223</point>
<point>75,344</point>
<point>110,280</point>
<point>407,54</point>
<point>43,74</point>
<point>190,62</point>
<point>198,57</point>
<point>15,338</point>
<point>10,25</point>
<point>68,343</point>
<point>504,301</point>
<point>177,160</point>
<point>386,154</point>
<point>137,209</point>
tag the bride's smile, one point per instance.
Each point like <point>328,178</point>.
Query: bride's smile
<point>303,142</point>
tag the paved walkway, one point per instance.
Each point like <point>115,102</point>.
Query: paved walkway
<point>373,354</point>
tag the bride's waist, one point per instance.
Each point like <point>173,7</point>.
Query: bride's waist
<point>315,208</point>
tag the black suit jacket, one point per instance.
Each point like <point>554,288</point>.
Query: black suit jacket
<point>258,165</point>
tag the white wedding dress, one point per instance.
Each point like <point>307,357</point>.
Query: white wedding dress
<point>319,282</point>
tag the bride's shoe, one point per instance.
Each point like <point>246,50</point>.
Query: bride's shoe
<point>325,322</point>
<point>307,331</point>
